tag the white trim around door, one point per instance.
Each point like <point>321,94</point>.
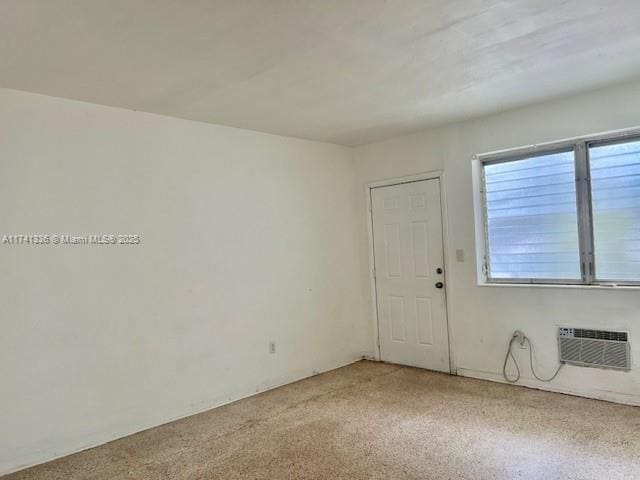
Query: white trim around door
<point>439,174</point>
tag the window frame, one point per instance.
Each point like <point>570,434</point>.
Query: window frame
<point>580,147</point>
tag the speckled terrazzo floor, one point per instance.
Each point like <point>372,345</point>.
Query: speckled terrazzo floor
<point>377,421</point>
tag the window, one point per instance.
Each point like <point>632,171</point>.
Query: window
<point>615,192</point>
<point>567,214</point>
<point>531,218</point>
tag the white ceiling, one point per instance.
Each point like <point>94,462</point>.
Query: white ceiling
<point>343,71</point>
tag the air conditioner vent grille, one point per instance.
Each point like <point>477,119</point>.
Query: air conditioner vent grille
<point>616,355</point>
<point>600,334</point>
<point>594,348</point>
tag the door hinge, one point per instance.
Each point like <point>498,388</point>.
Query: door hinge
<point>373,272</point>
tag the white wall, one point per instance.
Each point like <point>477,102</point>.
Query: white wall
<point>246,238</point>
<point>482,317</point>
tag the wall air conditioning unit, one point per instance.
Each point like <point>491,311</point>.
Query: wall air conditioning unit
<point>594,348</point>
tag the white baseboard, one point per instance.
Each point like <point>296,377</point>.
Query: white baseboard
<point>594,394</point>
<point>616,397</point>
<point>609,396</point>
<point>101,439</point>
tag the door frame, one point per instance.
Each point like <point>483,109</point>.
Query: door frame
<point>430,175</point>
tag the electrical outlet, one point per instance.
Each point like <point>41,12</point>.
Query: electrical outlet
<point>520,338</point>
<point>272,347</point>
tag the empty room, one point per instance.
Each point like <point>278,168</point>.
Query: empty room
<point>320,239</point>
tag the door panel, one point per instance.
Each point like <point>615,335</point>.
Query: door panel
<point>408,250</point>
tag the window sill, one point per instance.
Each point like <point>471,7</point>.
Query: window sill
<point>560,285</point>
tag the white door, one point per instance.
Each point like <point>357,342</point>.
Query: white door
<point>409,274</point>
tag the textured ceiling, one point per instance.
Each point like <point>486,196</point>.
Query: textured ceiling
<point>343,71</point>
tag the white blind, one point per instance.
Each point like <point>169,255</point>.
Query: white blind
<point>615,193</point>
<point>532,225</point>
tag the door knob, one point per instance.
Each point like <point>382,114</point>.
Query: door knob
<point>439,285</point>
